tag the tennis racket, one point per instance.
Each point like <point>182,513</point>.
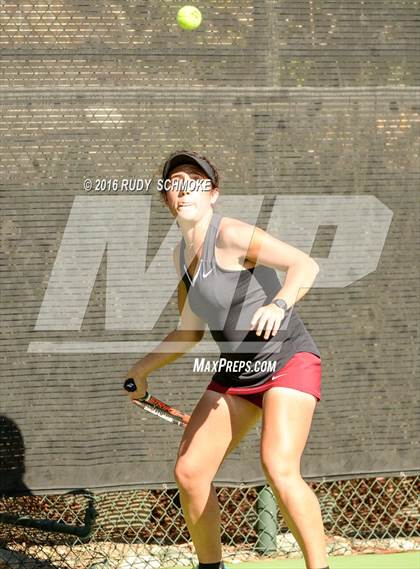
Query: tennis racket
<point>156,406</point>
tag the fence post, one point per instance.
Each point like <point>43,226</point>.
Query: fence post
<point>267,521</point>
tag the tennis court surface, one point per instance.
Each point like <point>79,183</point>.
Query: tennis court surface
<point>372,561</point>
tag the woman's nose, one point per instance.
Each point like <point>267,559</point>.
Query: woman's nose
<point>185,187</point>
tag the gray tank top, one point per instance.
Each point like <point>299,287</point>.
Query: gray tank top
<point>227,300</point>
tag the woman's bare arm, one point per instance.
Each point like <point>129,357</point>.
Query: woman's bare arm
<point>260,248</point>
<point>189,332</point>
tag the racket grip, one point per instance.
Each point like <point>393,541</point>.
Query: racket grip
<point>130,385</point>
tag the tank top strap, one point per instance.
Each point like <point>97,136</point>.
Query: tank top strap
<point>207,257</point>
<point>208,250</point>
<point>182,266</point>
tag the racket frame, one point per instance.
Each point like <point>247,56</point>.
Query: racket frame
<point>157,407</point>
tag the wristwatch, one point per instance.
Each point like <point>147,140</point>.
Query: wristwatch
<point>280,303</point>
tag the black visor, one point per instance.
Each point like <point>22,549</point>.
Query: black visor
<point>185,158</point>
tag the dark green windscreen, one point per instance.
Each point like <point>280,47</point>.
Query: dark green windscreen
<point>310,111</point>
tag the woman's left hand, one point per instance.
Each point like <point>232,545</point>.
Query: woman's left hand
<point>268,318</point>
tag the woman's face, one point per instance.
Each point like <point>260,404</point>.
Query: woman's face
<point>190,204</point>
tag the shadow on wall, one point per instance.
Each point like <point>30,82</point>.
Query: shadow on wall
<point>12,460</point>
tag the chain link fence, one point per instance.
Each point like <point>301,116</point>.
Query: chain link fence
<point>146,528</point>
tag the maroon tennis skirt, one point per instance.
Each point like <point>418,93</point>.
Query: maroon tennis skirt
<point>302,372</point>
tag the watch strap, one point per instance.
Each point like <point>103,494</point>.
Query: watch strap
<point>280,303</point>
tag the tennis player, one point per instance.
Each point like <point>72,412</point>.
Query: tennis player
<point>269,367</point>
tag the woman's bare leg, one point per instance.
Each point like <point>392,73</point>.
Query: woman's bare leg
<point>287,417</point>
<point>217,425</point>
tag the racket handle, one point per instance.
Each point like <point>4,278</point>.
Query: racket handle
<point>130,385</point>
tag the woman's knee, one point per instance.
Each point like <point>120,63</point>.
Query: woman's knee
<point>280,472</point>
<point>189,475</point>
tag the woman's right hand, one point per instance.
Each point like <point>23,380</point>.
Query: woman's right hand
<point>140,379</point>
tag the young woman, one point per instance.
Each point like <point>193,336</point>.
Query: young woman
<point>227,280</point>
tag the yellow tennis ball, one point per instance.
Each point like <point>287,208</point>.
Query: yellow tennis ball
<point>189,17</point>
